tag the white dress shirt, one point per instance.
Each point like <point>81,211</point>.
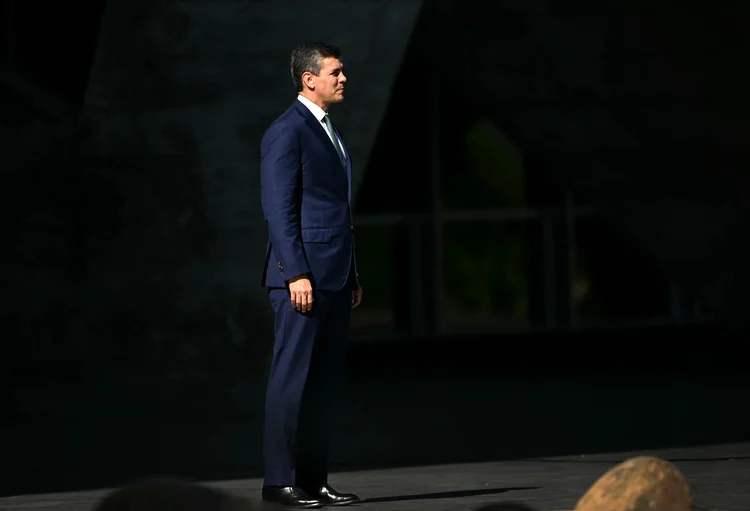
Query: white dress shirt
<point>320,116</point>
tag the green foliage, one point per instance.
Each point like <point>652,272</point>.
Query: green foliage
<point>497,164</point>
<point>485,270</point>
<point>484,262</point>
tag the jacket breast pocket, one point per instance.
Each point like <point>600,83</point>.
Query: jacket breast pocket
<point>317,235</point>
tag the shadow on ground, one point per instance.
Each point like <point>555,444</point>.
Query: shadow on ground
<point>446,494</point>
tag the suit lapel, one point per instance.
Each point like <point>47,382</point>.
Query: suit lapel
<point>322,135</point>
<point>349,171</point>
<point>348,160</point>
<point>318,130</point>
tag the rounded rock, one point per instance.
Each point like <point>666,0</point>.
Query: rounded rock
<point>643,483</point>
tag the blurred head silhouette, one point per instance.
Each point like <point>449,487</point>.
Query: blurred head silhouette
<point>166,494</point>
<point>504,506</point>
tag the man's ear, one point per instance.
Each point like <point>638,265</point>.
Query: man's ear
<point>307,79</point>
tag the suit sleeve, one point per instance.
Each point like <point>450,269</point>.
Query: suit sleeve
<point>280,197</point>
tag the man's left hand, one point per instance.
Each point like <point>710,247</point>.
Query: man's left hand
<point>356,297</point>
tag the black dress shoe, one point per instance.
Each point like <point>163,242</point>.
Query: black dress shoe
<point>331,497</point>
<point>290,496</point>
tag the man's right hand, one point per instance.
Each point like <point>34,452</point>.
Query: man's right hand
<point>301,293</point>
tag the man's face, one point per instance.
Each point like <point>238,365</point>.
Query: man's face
<point>329,84</point>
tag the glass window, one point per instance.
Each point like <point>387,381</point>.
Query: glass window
<point>487,267</point>
<point>480,167</point>
<point>376,260</point>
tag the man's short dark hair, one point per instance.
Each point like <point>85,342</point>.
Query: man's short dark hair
<point>308,57</point>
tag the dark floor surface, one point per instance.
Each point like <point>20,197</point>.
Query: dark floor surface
<point>718,476</point>
<point>465,410</point>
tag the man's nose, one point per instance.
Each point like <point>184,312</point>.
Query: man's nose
<point>342,78</point>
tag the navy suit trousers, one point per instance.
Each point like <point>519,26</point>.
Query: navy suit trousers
<point>305,377</point>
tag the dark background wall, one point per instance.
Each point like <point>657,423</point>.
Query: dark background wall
<point>584,163</point>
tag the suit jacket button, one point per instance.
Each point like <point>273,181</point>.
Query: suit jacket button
<point>351,228</point>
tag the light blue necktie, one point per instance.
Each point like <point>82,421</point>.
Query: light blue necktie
<point>336,144</point>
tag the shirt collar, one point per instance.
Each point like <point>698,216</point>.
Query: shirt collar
<point>315,109</point>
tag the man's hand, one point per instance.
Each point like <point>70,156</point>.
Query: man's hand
<point>356,297</point>
<point>301,293</point>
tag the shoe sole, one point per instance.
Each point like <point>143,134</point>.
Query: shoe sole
<point>289,506</point>
<point>344,503</point>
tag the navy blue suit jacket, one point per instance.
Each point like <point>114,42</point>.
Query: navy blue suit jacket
<point>306,199</point>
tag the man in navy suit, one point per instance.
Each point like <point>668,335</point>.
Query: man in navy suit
<point>312,280</point>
